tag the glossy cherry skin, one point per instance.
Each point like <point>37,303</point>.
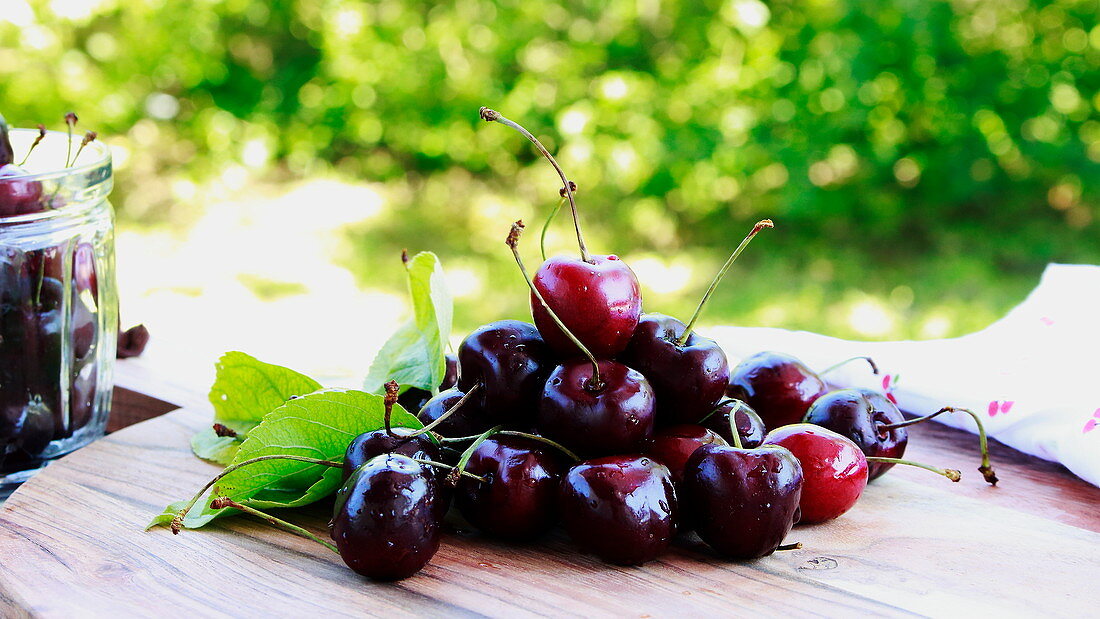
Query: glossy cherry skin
<point>861,416</point>
<point>616,418</point>
<point>600,303</point>
<point>742,502</point>
<point>834,470</point>
<point>672,446</point>
<point>18,195</point>
<point>688,379</point>
<point>369,445</point>
<point>518,500</point>
<point>414,399</point>
<point>466,421</point>
<point>621,508</point>
<point>386,523</point>
<point>510,360</point>
<point>779,387</point>
<point>749,425</point>
<point>26,428</point>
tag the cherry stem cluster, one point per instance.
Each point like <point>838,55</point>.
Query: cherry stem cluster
<point>224,502</point>
<point>986,468</point>
<point>489,115</point>
<point>870,361</point>
<point>177,522</point>
<point>594,383</point>
<point>951,474</point>
<point>760,225</point>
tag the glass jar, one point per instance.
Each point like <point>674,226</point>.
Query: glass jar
<point>58,302</point>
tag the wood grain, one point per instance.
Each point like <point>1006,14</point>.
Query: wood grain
<point>72,542</point>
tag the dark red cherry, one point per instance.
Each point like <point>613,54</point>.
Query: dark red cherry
<point>414,399</point>
<point>510,360</point>
<point>689,379</point>
<point>749,425</point>
<point>370,445</point>
<point>468,420</point>
<point>386,523</point>
<point>19,194</point>
<point>615,417</point>
<point>672,446</point>
<point>620,508</point>
<point>779,387</point>
<point>518,499</point>
<point>26,428</point>
<point>834,470</point>
<point>861,416</point>
<point>742,502</point>
<point>599,302</point>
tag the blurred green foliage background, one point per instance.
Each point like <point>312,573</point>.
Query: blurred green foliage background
<point>922,160</point>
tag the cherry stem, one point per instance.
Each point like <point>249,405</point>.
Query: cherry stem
<point>450,411</point>
<point>546,226</point>
<point>760,225</point>
<point>224,502</point>
<point>737,405</point>
<point>453,469</point>
<point>794,546</point>
<point>986,469</point>
<point>390,399</point>
<point>870,361</point>
<point>460,467</point>
<point>88,139</point>
<point>70,120</point>
<point>37,141</point>
<point>951,474</point>
<point>177,522</point>
<point>542,439</point>
<point>489,115</point>
<point>594,383</point>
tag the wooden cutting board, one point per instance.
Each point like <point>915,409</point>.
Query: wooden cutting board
<point>72,542</point>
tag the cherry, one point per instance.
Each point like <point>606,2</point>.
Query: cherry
<point>467,420</point>
<point>596,297</point>
<point>779,387</point>
<point>517,500</point>
<point>834,469</point>
<point>598,300</point>
<point>18,195</point>
<point>689,372</point>
<point>386,523</point>
<point>615,417</point>
<point>861,415</point>
<point>742,502</point>
<point>510,360</point>
<point>621,508</point>
<point>26,428</point>
<point>689,375</point>
<point>750,427</point>
<point>370,445</point>
<point>414,399</point>
<point>672,446</point>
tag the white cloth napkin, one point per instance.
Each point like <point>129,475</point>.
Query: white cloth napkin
<point>1034,375</point>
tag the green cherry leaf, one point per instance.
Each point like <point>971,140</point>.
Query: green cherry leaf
<point>415,355</point>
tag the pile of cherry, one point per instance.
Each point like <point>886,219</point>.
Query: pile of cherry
<point>40,376</point>
<point>627,428</point>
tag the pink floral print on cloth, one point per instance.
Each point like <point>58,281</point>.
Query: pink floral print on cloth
<point>1034,374</point>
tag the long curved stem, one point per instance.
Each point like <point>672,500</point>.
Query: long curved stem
<point>951,474</point>
<point>542,439</point>
<point>489,115</point>
<point>460,466</point>
<point>986,469</point>
<point>870,361</point>
<point>737,405</point>
<point>760,225</point>
<point>594,383</point>
<point>453,469</point>
<point>38,140</point>
<point>177,522</point>
<point>450,411</point>
<point>224,502</point>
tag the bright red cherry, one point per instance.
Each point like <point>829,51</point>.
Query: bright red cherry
<point>833,467</point>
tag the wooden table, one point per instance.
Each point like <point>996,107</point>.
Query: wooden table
<point>72,543</point>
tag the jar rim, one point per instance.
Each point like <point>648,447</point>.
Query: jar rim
<point>98,148</point>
